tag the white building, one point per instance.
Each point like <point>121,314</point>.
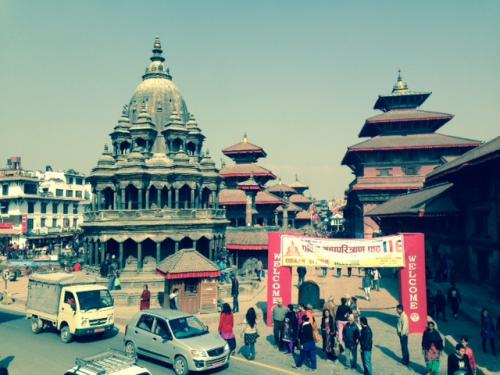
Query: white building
<point>40,207</point>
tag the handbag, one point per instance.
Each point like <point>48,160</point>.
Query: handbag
<point>117,283</point>
<point>316,335</point>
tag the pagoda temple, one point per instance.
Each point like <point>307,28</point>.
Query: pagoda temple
<point>253,208</point>
<point>155,190</point>
<point>403,147</point>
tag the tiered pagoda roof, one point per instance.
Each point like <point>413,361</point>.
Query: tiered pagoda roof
<point>244,151</point>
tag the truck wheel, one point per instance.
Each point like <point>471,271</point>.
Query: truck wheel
<point>66,335</point>
<point>130,350</point>
<point>36,325</point>
<point>180,365</point>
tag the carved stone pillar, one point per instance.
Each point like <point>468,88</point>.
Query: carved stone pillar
<point>158,252</point>
<point>120,255</point>
<point>169,198</point>
<point>147,200</point>
<point>139,199</point>
<point>139,256</point>
<point>177,198</point>
<point>192,198</point>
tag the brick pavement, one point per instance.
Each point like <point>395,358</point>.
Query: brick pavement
<point>379,311</point>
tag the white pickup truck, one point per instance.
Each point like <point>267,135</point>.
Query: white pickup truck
<point>72,303</point>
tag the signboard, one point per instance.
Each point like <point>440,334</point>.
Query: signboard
<point>24,224</point>
<point>279,279</point>
<point>328,252</point>
<point>413,290</point>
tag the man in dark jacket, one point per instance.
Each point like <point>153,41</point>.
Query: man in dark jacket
<point>351,340</point>
<point>301,271</point>
<point>458,362</point>
<point>366,343</point>
<point>235,292</point>
<point>440,304</point>
<point>454,299</point>
<point>307,345</point>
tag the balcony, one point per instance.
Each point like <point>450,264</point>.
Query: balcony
<point>154,214</point>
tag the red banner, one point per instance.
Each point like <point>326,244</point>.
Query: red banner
<point>413,290</point>
<point>25,224</point>
<point>279,279</point>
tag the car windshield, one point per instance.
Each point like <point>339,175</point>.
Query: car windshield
<point>94,299</point>
<point>187,327</point>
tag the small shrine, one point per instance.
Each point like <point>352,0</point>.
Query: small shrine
<point>196,278</point>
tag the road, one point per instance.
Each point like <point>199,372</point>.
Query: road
<point>45,354</point>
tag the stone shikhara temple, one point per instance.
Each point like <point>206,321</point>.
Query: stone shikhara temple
<point>155,189</point>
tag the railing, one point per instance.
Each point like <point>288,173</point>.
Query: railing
<point>154,214</point>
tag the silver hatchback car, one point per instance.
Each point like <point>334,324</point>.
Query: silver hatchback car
<point>177,338</point>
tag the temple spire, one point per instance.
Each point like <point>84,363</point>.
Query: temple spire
<point>157,51</point>
<point>400,84</point>
<point>157,68</point>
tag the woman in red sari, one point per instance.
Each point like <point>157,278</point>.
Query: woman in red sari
<point>226,326</point>
<point>145,298</point>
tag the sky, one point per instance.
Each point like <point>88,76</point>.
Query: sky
<point>299,77</point>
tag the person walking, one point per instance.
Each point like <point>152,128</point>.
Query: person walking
<point>366,343</point>
<point>343,312</point>
<point>327,332</point>
<point>330,305</point>
<point>454,299</point>
<point>258,270</point>
<point>235,292</point>
<point>307,345</point>
<point>301,271</point>
<point>226,327</point>
<point>250,333</point>
<point>367,284</point>
<point>173,299</point>
<point>279,314</point>
<point>440,304</point>
<point>145,298</point>
<point>487,331</point>
<point>324,271</point>
<point>458,362</point>
<point>470,353</point>
<point>376,276</point>
<point>403,330</point>
<point>432,347</point>
<point>351,339</point>
<point>290,334</point>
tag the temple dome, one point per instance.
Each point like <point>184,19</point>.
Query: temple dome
<point>159,95</point>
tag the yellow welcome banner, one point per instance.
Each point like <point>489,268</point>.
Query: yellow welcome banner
<point>333,252</point>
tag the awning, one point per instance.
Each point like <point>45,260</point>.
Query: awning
<point>189,275</point>
<point>427,202</point>
<point>246,247</point>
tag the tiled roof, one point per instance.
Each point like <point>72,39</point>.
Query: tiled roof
<point>413,141</point>
<point>299,198</point>
<point>473,156</point>
<point>235,237</point>
<point>250,184</point>
<point>290,208</point>
<point>246,170</point>
<point>281,188</point>
<point>186,261</point>
<point>243,147</point>
<point>238,197</point>
<point>400,115</point>
<point>303,215</point>
<point>415,203</point>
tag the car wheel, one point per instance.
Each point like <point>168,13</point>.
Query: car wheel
<point>66,335</point>
<point>180,365</point>
<point>36,325</point>
<point>130,350</point>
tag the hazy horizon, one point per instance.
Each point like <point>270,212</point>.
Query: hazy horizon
<point>299,78</point>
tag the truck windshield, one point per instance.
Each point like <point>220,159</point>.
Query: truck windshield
<point>94,299</point>
<point>190,326</point>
